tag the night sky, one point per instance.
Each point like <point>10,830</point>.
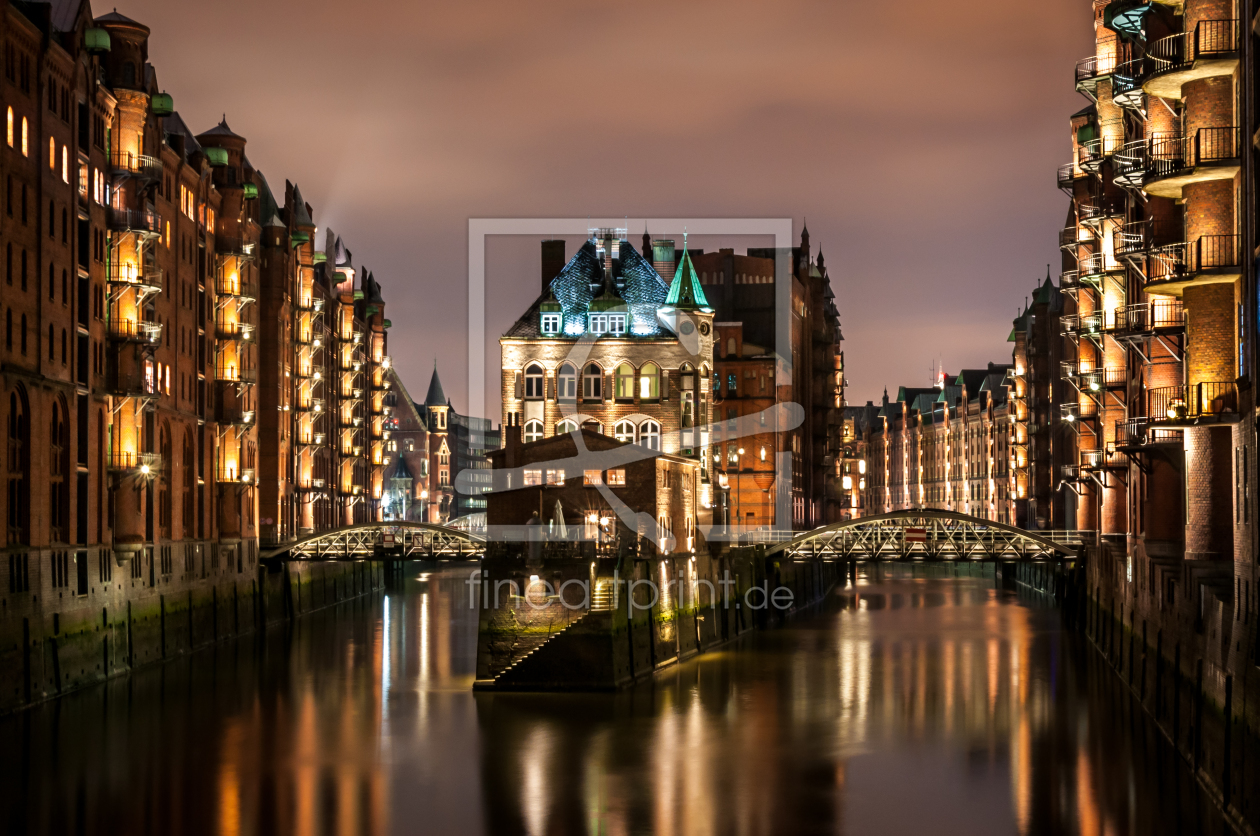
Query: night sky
<point>919,140</point>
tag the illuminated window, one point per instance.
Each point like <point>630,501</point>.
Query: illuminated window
<point>555,478</point>
<point>650,435</point>
<point>533,430</point>
<point>533,381</point>
<point>649,382</point>
<point>52,154</point>
<point>9,133</point>
<point>26,149</point>
<point>616,477</point>
<point>568,425</point>
<point>533,478</point>
<point>617,324</point>
<point>625,381</point>
<point>593,477</point>
<point>598,323</point>
<point>566,382</point>
<point>550,323</point>
<point>624,431</point>
<point>592,382</point>
<point>65,164</point>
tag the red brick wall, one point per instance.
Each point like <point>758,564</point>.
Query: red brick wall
<point>1209,333</point>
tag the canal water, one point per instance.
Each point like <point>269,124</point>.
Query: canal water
<point>905,704</point>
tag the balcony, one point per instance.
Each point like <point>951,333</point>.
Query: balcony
<point>1141,432</point>
<point>352,451</point>
<point>1126,83</point>
<point>1107,378</point>
<point>235,331</point>
<point>352,422</point>
<point>1130,164</point>
<point>313,405</point>
<point>1071,238</point>
<point>1162,316</point>
<point>312,439</point>
<point>145,281</point>
<point>235,476</point>
<point>1211,259</point>
<point>140,166</point>
<point>1101,459</point>
<point>1073,411</point>
<point>146,222</point>
<point>229,372</point>
<point>1210,50</point>
<point>1186,404</point>
<point>1070,279</point>
<point>1095,152</point>
<point>1076,325</point>
<point>141,464</point>
<point>229,247</point>
<point>1091,70</point>
<point>235,287</point>
<point>134,331</point>
<point>350,490</point>
<point>1175,160</point>
<point>310,485</point>
<point>1096,265</point>
<point>129,380</point>
<point>1095,212</point>
<point>303,336</point>
<point>235,416</point>
<point>1067,176</point>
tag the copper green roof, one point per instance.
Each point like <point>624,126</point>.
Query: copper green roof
<point>685,292</point>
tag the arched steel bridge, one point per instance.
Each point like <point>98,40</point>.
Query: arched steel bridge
<point>902,535</point>
<point>925,534</point>
<point>384,541</point>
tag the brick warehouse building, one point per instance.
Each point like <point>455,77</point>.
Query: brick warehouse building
<point>949,447</point>
<point>156,436</point>
<point>1159,350</point>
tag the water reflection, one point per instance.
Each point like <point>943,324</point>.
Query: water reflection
<point>909,704</point>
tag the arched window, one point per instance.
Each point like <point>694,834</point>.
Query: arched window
<point>624,431</point>
<point>26,147</point>
<point>625,381</point>
<point>58,485</point>
<point>9,132</point>
<point>52,153</point>
<point>533,381</point>
<point>649,382</point>
<point>533,430</point>
<point>650,435</point>
<point>593,382</point>
<point>19,466</point>
<point>568,425</point>
<point>566,381</point>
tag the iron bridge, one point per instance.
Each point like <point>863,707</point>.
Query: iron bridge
<point>925,534</point>
<point>384,541</point>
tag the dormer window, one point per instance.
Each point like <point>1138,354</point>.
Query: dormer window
<point>617,324</point>
<point>550,324</point>
<point>599,323</point>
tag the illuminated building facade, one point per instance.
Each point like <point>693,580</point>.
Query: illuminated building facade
<point>949,447</point>
<point>611,346</point>
<point>1159,325</point>
<point>156,437</point>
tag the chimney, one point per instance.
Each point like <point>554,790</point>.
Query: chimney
<point>512,438</point>
<point>552,262</point>
<point>663,258</point>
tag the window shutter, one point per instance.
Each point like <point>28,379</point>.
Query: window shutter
<point>519,385</point>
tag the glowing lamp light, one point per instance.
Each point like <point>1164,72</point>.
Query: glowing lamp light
<point>244,477</point>
<point>1070,418</point>
<point>144,468</point>
<point>603,521</point>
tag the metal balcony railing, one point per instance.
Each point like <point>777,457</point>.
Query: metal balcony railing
<point>236,416</point>
<point>1079,409</point>
<point>1135,432</point>
<point>1093,68</point>
<point>1130,163</point>
<point>1097,211</point>
<point>1095,151</point>
<point>135,331</point>
<point>133,220</point>
<point>1209,39</point>
<point>310,485</point>
<point>233,247</point>
<point>136,165</point>
<point>1207,255</point>
<point>233,373</point>
<point>144,463</point>
<point>1070,238</point>
<point>235,475</point>
<point>1070,279</point>
<point>236,287</point>
<point>1106,378</point>
<point>235,331</point>
<point>144,278</point>
<point>1067,174</point>
<point>1149,316</point>
<point>1182,403</point>
<point>310,404</point>
<point>1126,82</point>
<point>1170,154</point>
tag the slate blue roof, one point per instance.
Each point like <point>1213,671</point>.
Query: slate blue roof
<point>635,282</point>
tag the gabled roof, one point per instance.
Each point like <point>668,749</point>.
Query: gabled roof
<point>435,397</point>
<point>174,124</point>
<point>301,217</point>
<point>63,14</point>
<point>401,471</point>
<point>115,17</point>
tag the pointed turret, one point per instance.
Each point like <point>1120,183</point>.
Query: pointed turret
<point>435,397</point>
<point>685,292</point>
<point>647,244</point>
